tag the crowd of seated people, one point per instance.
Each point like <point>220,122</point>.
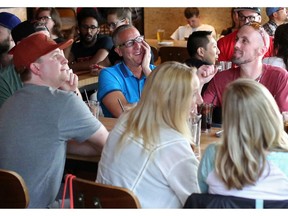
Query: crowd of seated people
<point>152,104</point>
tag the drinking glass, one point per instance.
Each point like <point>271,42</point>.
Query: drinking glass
<point>195,127</point>
<point>94,107</point>
<point>206,110</point>
<point>160,35</point>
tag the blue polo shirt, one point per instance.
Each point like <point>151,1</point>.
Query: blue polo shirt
<point>120,78</point>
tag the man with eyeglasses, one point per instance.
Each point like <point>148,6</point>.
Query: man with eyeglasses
<point>115,18</point>
<point>123,82</point>
<point>226,44</point>
<point>277,16</point>
<point>92,47</point>
<point>252,42</point>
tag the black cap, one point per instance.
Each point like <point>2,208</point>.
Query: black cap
<point>26,28</point>
<point>254,9</point>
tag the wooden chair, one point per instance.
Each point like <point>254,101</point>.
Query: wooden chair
<point>13,190</point>
<point>155,53</point>
<point>173,53</point>
<point>89,194</point>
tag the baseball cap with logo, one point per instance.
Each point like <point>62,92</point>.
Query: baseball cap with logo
<point>29,49</point>
<point>254,9</point>
<point>9,20</point>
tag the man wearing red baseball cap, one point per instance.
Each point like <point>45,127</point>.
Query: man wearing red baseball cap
<point>38,120</point>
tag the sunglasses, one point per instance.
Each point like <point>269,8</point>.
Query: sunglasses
<point>257,26</point>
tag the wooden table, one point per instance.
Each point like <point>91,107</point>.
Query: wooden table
<point>154,42</point>
<point>86,79</point>
<point>205,140</point>
<point>208,138</point>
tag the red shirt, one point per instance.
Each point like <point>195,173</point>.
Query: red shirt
<point>226,46</point>
<point>275,79</point>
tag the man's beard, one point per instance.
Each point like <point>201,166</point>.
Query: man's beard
<point>5,46</point>
<point>90,42</point>
<point>239,60</point>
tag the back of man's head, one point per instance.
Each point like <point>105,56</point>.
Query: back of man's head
<point>9,20</point>
<point>197,39</point>
<point>191,12</point>
<point>26,28</point>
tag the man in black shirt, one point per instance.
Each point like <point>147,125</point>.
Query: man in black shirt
<point>91,48</point>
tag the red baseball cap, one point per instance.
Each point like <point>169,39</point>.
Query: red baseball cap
<point>29,49</point>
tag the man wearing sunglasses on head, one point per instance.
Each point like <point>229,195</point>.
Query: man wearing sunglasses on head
<point>252,42</point>
<point>226,44</point>
<point>124,81</point>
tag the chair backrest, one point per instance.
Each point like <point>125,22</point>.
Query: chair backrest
<point>173,53</point>
<point>202,201</point>
<point>89,194</point>
<point>13,190</point>
<point>155,53</point>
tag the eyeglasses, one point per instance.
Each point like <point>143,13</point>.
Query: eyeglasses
<point>86,27</point>
<point>244,18</point>
<point>131,42</point>
<point>114,24</point>
<point>44,18</point>
<point>257,26</point>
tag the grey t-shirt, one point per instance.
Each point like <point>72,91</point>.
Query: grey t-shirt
<point>35,124</point>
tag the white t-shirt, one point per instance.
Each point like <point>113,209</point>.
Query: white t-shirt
<point>183,32</point>
<point>276,61</point>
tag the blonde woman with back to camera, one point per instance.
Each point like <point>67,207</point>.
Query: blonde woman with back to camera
<point>252,160</point>
<point>149,151</point>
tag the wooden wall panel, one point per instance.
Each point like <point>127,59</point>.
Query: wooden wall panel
<point>171,18</point>
<point>19,12</point>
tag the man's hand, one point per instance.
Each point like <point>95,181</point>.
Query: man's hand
<point>146,58</point>
<point>71,83</point>
<point>205,73</point>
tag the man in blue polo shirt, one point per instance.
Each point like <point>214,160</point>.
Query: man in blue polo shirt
<point>125,80</point>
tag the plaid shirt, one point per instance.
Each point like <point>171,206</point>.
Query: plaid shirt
<point>104,29</point>
<point>270,27</point>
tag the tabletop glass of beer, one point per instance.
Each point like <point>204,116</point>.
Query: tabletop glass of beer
<point>160,35</point>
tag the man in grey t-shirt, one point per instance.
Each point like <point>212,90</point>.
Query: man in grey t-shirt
<point>37,121</point>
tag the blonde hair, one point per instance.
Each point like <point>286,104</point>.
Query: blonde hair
<point>165,102</point>
<point>253,126</point>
